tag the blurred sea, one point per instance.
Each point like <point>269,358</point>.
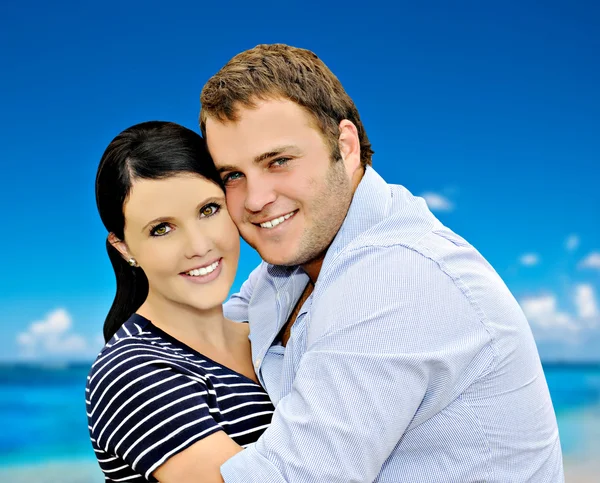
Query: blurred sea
<point>44,437</point>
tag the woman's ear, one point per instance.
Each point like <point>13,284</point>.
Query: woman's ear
<point>120,246</point>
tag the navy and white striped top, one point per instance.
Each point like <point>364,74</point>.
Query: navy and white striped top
<point>150,396</point>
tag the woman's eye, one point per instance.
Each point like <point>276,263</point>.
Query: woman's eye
<point>160,230</point>
<point>210,209</point>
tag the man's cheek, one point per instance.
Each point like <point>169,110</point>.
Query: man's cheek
<point>235,206</point>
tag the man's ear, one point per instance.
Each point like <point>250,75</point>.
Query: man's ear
<point>349,146</point>
<point>120,246</point>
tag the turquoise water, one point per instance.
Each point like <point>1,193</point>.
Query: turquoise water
<point>42,417</point>
<point>42,413</point>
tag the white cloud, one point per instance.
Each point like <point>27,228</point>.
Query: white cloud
<point>25,340</point>
<point>529,259</point>
<point>53,337</point>
<point>543,312</point>
<point>73,343</point>
<point>591,261</point>
<point>55,323</point>
<point>565,335</point>
<point>551,323</point>
<point>437,202</point>
<point>572,243</point>
<point>585,301</point>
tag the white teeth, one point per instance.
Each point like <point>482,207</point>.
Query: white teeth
<point>276,221</point>
<point>198,272</point>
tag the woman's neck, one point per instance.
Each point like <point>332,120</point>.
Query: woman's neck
<point>198,328</point>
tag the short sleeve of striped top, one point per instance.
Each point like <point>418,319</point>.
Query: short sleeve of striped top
<point>149,397</point>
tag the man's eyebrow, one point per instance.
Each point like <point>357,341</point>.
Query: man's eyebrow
<point>227,167</point>
<point>261,157</point>
<point>274,152</point>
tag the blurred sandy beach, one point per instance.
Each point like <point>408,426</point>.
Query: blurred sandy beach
<point>84,471</point>
<point>582,471</point>
<point>576,471</point>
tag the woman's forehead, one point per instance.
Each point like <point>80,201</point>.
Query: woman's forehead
<point>166,197</point>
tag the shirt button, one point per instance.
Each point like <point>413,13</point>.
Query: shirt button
<point>257,363</point>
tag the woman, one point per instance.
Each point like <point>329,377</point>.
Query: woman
<point>173,393</point>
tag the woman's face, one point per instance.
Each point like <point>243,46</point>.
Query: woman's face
<point>180,233</point>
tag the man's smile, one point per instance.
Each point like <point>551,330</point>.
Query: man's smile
<point>273,222</point>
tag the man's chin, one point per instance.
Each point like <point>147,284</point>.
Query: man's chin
<point>272,252</point>
<point>278,259</point>
<point>291,259</point>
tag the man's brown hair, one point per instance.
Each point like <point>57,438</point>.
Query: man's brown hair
<point>279,70</point>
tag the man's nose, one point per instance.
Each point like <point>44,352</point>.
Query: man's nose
<point>259,193</point>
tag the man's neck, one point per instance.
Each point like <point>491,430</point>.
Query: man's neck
<point>313,268</point>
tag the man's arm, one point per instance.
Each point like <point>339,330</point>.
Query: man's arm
<point>388,347</point>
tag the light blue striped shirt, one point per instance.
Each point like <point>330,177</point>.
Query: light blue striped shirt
<point>410,362</point>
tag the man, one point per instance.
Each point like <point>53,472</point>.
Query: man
<point>390,347</point>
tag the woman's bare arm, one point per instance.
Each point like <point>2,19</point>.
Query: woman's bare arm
<point>200,463</point>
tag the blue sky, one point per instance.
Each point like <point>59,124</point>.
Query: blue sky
<point>492,112</point>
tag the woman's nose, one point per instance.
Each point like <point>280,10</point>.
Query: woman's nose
<point>197,244</point>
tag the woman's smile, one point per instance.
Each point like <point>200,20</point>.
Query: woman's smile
<point>205,273</point>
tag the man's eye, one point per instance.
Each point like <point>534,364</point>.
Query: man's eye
<point>280,161</point>
<point>160,230</point>
<point>232,177</point>
<point>210,209</point>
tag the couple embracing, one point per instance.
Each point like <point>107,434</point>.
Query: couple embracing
<point>371,344</point>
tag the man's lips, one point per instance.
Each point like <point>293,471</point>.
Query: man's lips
<point>272,222</point>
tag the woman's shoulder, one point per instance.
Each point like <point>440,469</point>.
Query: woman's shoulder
<point>136,331</point>
<point>132,368</point>
<point>135,349</point>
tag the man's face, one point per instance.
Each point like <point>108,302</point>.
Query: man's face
<point>284,193</point>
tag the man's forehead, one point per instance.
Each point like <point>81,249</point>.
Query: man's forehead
<point>232,147</point>
<point>273,111</point>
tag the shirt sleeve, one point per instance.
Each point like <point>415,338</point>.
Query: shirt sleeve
<point>145,409</point>
<point>387,349</point>
<point>236,308</point>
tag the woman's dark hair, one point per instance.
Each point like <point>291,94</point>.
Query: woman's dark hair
<point>150,150</point>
